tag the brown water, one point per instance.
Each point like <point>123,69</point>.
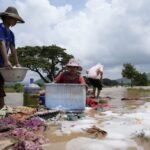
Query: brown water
<point>58,142</point>
<point>116,93</point>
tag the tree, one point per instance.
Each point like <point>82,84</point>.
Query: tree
<point>129,72</point>
<point>140,79</point>
<point>18,87</point>
<point>137,78</point>
<point>44,59</point>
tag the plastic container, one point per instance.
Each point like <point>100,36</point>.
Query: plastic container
<point>42,100</point>
<point>31,94</point>
<point>17,74</point>
<point>69,97</point>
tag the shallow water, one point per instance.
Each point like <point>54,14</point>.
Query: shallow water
<point>14,99</point>
<point>116,93</point>
<point>118,106</point>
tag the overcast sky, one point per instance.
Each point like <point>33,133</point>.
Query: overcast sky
<point>110,32</point>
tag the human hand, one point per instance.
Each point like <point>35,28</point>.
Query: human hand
<point>53,82</point>
<point>8,65</point>
<point>18,65</point>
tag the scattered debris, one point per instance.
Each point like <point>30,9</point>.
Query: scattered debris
<point>97,132</point>
<point>130,98</point>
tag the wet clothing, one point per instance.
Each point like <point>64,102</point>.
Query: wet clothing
<point>2,92</point>
<point>96,83</point>
<point>7,36</point>
<point>67,77</point>
<point>95,76</point>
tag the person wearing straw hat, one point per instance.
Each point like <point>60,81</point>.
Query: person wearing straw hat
<point>71,74</point>
<point>10,17</point>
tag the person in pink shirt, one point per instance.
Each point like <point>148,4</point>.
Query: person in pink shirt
<point>71,74</point>
<point>95,76</point>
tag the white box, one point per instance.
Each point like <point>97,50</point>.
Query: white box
<point>65,96</point>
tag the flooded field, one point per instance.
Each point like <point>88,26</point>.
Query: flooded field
<point>126,122</point>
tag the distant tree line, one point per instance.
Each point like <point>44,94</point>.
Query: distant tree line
<point>16,87</point>
<point>52,59</point>
<point>105,82</point>
<point>137,78</point>
<point>109,82</point>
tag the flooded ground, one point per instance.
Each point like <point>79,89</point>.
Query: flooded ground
<point>126,122</point>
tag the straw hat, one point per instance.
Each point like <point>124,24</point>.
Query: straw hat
<point>13,13</point>
<point>73,63</point>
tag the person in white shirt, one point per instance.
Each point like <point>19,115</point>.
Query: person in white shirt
<point>95,76</point>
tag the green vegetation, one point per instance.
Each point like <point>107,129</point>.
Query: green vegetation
<point>52,59</point>
<point>18,87</point>
<point>137,78</point>
<point>10,90</point>
<point>47,59</point>
<point>14,88</point>
<point>138,92</point>
<point>108,82</point>
<point>105,82</point>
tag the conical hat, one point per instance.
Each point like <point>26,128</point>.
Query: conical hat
<point>13,13</point>
<point>73,63</point>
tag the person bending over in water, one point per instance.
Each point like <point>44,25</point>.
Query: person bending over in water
<point>95,76</point>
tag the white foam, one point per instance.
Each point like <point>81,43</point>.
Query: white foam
<point>121,129</point>
<point>95,144</point>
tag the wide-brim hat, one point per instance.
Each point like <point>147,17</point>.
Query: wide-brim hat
<point>13,13</point>
<point>73,63</point>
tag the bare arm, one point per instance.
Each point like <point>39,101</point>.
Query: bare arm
<point>7,63</point>
<point>58,78</point>
<point>15,56</point>
<point>82,81</point>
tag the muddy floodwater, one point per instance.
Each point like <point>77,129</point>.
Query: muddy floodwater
<point>59,140</point>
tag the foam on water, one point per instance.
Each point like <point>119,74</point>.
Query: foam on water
<point>121,129</point>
